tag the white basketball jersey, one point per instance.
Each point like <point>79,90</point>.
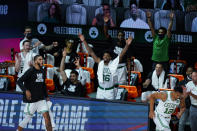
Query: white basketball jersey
<point>108,80</point>
<point>24,66</point>
<point>167,107</point>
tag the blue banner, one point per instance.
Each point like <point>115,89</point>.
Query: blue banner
<point>75,114</point>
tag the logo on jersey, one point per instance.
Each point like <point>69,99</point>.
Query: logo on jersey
<point>39,78</point>
<point>42,29</point>
<point>148,36</point>
<point>72,88</point>
<point>93,32</point>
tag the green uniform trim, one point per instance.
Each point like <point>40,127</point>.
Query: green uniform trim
<point>121,66</point>
<point>41,112</point>
<point>106,88</point>
<point>162,122</point>
<point>28,111</point>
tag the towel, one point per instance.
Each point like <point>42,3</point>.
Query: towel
<point>157,83</point>
<point>113,65</point>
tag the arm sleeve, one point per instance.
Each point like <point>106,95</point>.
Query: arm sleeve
<point>150,76</point>
<point>24,78</point>
<point>44,86</point>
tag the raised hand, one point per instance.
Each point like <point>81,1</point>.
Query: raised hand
<point>64,52</point>
<point>77,61</point>
<point>37,43</point>
<point>148,14</point>
<point>171,15</point>
<point>129,40</point>
<point>107,17</point>
<point>81,37</point>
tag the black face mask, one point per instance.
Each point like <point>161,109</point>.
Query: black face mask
<point>29,36</point>
<point>134,16</point>
<point>161,36</point>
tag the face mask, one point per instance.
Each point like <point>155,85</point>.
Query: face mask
<point>29,36</point>
<point>161,36</point>
<point>134,16</point>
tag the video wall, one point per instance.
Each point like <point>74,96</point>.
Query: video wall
<point>129,14</point>
<point>12,20</point>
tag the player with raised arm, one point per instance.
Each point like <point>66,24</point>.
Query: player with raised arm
<point>107,70</point>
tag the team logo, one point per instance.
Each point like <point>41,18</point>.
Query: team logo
<point>148,36</point>
<point>42,29</point>
<point>93,32</point>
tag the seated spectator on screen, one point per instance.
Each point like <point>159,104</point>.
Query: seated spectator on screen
<point>117,3</point>
<point>72,86</point>
<point>190,5</point>
<point>194,25</point>
<point>54,14</point>
<point>134,21</point>
<point>172,5</point>
<point>100,19</point>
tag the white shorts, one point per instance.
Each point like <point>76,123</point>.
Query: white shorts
<point>161,122</point>
<point>105,94</point>
<point>122,75</point>
<point>146,95</point>
<point>39,106</point>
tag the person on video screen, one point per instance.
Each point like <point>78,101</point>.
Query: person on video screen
<point>194,25</point>
<point>101,19</point>
<point>54,15</point>
<point>190,5</point>
<point>134,21</point>
<point>173,5</point>
<point>117,3</point>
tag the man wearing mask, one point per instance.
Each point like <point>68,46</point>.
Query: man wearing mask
<point>134,21</point>
<point>35,44</point>
<point>105,18</point>
<point>161,42</point>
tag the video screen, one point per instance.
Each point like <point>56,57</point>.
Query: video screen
<point>12,20</point>
<point>116,13</point>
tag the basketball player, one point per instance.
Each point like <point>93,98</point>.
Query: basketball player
<point>167,104</point>
<point>107,70</point>
<point>24,60</point>
<point>122,69</point>
<point>32,83</point>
